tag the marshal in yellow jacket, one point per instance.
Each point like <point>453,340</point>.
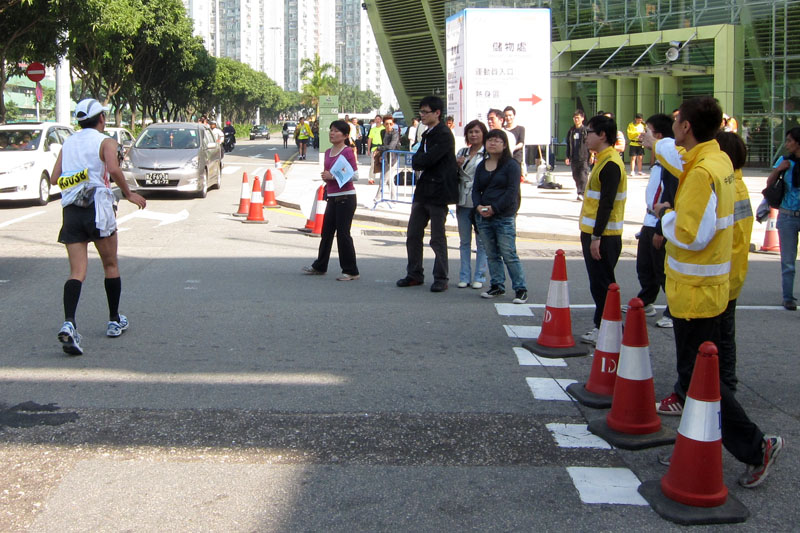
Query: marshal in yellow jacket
<point>699,234</point>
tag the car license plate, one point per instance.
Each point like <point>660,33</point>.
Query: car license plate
<point>156,178</point>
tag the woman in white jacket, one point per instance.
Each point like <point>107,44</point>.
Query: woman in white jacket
<point>468,158</point>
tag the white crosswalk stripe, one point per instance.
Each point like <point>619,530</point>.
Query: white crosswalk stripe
<point>526,358</point>
<point>576,436</point>
<point>606,485</point>
<point>550,389</point>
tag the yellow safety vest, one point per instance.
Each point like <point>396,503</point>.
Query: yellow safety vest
<point>592,196</point>
<point>699,234</point>
<point>742,228</point>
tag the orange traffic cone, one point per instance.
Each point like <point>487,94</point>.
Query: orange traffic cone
<point>278,162</point>
<point>255,216</point>
<point>633,423</point>
<point>771,241</point>
<point>319,195</point>
<point>598,391</point>
<point>244,200</point>
<point>269,190</point>
<point>692,491</point>
<point>319,217</point>
<point>555,339</point>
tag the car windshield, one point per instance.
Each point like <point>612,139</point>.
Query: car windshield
<point>17,140</point>
<point>168,138</point>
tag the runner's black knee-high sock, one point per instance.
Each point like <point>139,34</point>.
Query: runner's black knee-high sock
<point>113,291</point>
<point>72,293</point>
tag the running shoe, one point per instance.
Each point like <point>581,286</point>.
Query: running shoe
<point>348,277</point>
<point>493,292</point>
<point>590,337</point>
<point>312,271</point>
<point>463,284</point>
<point>520,296</point>
<point>477,284</point>
<point>116,327</point>
<point>649,310</point>
<point>672,405</point>
<point>756,474</point>
<point>664,322</point>
<point>70,339</point>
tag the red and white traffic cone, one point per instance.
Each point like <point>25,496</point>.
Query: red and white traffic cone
<point>319,218</point>
<point>269,191</point>
<point>318,196</point>
<point>633,423</point>
<point>555,339</point>
<point>693,491</point>
<point>771,241</point>
<point>599,390</point>
<point>255,216</point>
<point>244,200</point>
<point>278,163</point>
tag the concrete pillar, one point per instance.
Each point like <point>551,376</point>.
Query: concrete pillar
<point>63,112</point>
<point>670,88</point>
<point>606,95</point>
<point>729,69</point>
<point>647,96</point>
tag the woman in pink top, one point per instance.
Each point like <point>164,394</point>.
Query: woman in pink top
<point>340,208</point>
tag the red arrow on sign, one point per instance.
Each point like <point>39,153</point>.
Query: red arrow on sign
<point>533,99</point>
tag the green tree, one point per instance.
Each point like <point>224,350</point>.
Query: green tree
<point>354,100</point>
<point>30,30</point>
<point>318,79</point>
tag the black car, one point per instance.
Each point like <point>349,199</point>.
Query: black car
<point>259,131</point>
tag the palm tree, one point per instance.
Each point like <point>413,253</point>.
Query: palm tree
<point>318,78</point>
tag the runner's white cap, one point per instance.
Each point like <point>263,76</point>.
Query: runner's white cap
<point>88,108</point>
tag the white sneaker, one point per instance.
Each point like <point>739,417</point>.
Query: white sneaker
<point>70,339</point>
<point>115,329</point>
<point>649,310</point>
<point>664,322</point>
<point>590,337</point>
<point>463,284</point>
<point>477,285</point>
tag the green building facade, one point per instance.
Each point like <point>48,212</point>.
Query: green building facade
<point>646,56</point>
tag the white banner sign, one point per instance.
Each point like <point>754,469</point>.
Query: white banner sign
<point>497,58</point>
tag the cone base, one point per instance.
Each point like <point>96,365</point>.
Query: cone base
<point>255,221</point>
<point>731,512</point>
<point>304,230</point>
<point>588,398</point>
<point>773,251</point>
<point>662,437</point>
<point>240,214</point>
<point>555,353</point>
<point>271,206</point>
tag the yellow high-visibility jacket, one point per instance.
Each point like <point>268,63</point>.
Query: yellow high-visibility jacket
<point>742,228</point>
<point>699,233</point>
<point>591,202</point>
<point>669,155</point>
<point>634,130</point>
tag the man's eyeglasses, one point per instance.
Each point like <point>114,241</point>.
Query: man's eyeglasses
<point>588,131</point>
<point>424,112</point>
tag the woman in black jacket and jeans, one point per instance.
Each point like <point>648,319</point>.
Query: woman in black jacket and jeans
<point>495,194</point>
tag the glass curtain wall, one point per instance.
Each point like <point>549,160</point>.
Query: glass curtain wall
<point>771,62</point>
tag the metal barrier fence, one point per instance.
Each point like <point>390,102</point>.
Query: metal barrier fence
<point>397,178</point>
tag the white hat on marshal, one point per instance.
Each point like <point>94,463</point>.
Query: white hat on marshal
<point>88,108</point>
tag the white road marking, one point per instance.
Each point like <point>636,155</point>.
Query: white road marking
<point>513,310</point>
<point>523,332</point>
<point>20,219</point>
<point>4,280</point>
<point>576,436</point>
<point>230,170</point>
<point>526,358</point>
<point>165,218</point>
<point>550,389</point>
<point>606,485</point>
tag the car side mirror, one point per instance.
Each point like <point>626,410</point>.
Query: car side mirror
<point>54,147</point>
<point>127,144</point>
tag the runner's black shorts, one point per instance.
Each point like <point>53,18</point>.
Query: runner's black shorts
<point>78,225</point>
<point>302,141</point>
<point>636,150</point>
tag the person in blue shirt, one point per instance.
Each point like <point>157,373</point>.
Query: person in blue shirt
<point>788,224</point>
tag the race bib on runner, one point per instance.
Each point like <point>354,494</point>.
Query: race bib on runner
<point>71,180</point>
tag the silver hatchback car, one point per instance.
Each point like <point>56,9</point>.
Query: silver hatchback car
<point>175,156</point>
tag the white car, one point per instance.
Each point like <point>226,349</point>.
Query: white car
<point>28,152</point>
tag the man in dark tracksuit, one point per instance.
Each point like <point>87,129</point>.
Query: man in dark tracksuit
<point>435,161</point>
<point>578,153</point>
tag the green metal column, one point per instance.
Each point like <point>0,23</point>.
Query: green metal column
<point>729,69</point>
<point>647,96</point>
<point>669,94</point>
<point>606,94</point>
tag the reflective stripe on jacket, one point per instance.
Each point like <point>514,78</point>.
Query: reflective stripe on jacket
<point>591,202</point>
<point>699,233</point>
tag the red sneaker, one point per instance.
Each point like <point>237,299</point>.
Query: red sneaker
<point>672,405</point>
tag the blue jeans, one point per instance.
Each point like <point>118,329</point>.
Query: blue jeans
<point>464,216</point>
<point>788,227</point>
<point>499,236</point>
